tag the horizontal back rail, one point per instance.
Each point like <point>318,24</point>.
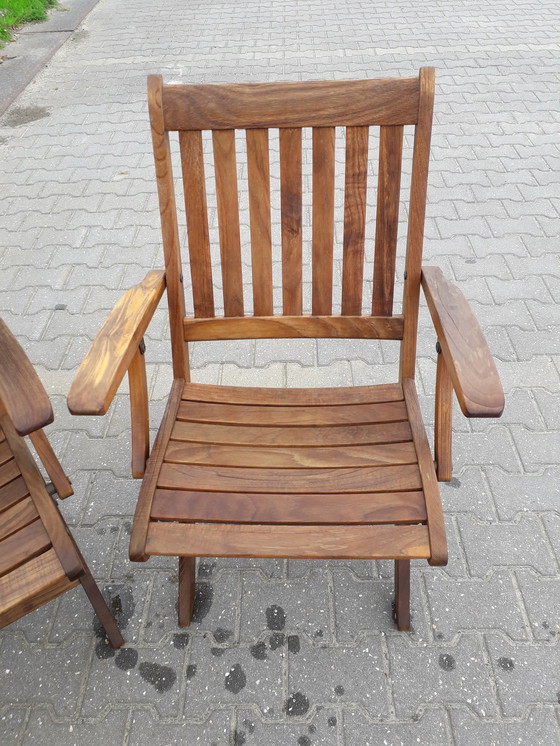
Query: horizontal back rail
<point>311,104</point>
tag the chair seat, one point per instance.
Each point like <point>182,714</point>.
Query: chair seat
<point>287,473</point>
<point>30,571</point>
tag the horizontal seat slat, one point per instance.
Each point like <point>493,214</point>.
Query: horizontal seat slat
<point>244,435</point>
<point>8,471</point>
<point>242,540</point>
<point>280,458</point>
<point>31,585</point>
<point>224,507</point>
<point>22,545</point>
<point>293,481</point>
<point>204,392</point>
<point>12,493</point>
<point>17,517</point>
<point>266,416</point>
<point>5,452</point>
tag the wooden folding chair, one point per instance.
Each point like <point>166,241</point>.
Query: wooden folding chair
<point>311,473</point>
<point>39,559</point>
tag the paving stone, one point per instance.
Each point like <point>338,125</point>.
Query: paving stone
<point>216,601</point>
<point>463,605</point>
<point>454,674</point>
<point>57,673</point>
<point>335,374</point>
<point>146,727</point>
<point>536,449</point>
<point>273,376</point>
<point>155,676</point>
<point>12,724</point>
<point>488,546</point>
<point>296,607</point>
<point>524,493</point>
<point>431,727</point>
<point>240,352</point>
<point>250,730</point>
<point>109,728</point>
<point>363,606</point>
<point>540,597</point>
<point>525,674</point>
<point>351,675</point>
<point>234,677</point>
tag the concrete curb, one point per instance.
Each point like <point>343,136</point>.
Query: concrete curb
<point>35,45</point>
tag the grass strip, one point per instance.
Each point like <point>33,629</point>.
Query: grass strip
<point>15,12</point>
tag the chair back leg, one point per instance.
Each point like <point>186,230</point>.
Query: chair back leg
<point>100,607</point>
<point>402,594</point>
<point>187,567</point>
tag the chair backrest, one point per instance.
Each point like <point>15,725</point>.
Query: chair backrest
<point>260,108</point>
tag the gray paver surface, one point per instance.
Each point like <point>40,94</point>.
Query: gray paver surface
<point>294,652</point>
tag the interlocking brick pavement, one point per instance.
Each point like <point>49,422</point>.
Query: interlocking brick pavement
<point>295,652</point>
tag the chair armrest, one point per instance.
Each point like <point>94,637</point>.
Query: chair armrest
<point>470,363</point>
<point>22,395</point>
<point>114,347</point>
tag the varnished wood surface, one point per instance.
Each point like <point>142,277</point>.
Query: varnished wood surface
<point>291,218</point>
<point>278,327</point>
<point>22,394</point>
<point>469,361</point>
<point>311,542</point>
<point>355,190</point>
<point>442,422</point>
<point>310,104</point>
<point>259,211</point>
<point>322,221</point>
<point>348,508</point>
<point>114,347</point>
<point>52,465</point>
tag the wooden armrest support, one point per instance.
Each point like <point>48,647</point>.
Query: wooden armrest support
<point>114,347</point>
<point>22,394</point>
<point>469,361</point>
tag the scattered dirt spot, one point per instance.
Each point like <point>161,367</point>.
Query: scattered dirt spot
<point>235,679</point>
<point>19,115</point>
<point>161,678</point>
<point>339,690</point>
<point>293,643</point>
<point>126,659</point>
<point>258,651</point>
<point>239,738</point>
<point>191,671</point>
<point>275,617</point>
<point>506,664</point>
<point>276,640</point>
<point>121,602</point>
<point>296,705</point>
<point>222,635</point>
<point>331,722</point>
<point>446,662</point>
<point>180,640</point>
<point>103,650</point>
<point>203,597</point>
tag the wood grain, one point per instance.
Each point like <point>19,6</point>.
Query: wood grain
<point>196,211</point>
<point>228,221</point>
<point>285,327</point>
<point>442,422</point>
<point>291,218</point>
<point>322,221</point>
<point>52,465</point>
<point>21,392</point>
<point>310,104</point>
<point>311,542</point>
<point>387,221</point>
<point>468,359</point>
<point>259,211</point>
<point>114,347</point>
<point>355,192</point>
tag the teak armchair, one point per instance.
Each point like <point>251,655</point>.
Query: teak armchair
<point>39,559</point>
<point>311,473</point>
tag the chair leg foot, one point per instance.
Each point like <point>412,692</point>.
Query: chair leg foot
<point>402,594</point>
<point>187,567</point>
<point>102,610</point>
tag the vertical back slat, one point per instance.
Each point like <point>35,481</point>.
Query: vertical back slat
<point>323,220</point>
<point>417,212</point>
<point>228,220</point>
<point>169,227</point>
<point>355,188</point>
<point>387,221</point>
<point>196,210</point>
<point>291,209</point>
<point>259,212</point>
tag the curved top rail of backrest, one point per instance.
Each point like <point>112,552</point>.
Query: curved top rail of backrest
<point>338,103</point>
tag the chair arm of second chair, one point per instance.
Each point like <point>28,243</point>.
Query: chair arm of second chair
<point>465,363</point>
<point>116,349</point>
